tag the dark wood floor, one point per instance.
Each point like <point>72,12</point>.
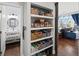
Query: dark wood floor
<point>67,47</point>
<point>13,49</point>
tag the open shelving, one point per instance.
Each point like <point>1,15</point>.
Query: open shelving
<point>40,19</point>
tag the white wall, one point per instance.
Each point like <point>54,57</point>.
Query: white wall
<point>16,4</point>
<point>68,7</point>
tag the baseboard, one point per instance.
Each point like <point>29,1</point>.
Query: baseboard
<point>53,51</point>
<point>3,53</point>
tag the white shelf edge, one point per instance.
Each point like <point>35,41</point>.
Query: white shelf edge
<point>39,16</point>
<point>42,28</point>
<point>41,39</point>
<point>42,49</point>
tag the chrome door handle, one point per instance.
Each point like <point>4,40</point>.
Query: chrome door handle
<point>24,28</point>
<point>0,11</point>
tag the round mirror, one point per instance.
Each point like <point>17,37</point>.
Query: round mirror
<point>12,22</point>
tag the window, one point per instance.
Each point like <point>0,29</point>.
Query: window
<point>65,22</point>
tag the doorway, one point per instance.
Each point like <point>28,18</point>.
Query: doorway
<point>67,42</point>
<point>11,26</point>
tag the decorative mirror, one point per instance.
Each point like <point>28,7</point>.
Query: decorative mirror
<point>12,22</point>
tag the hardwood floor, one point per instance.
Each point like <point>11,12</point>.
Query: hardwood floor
<point>67,47</point>
<point>13,49</point>
<point>77,46</point>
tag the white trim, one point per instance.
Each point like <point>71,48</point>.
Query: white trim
<point>53,51</point>
<point>3,53</point>
<point>39,16</point>
<point>42,28</point>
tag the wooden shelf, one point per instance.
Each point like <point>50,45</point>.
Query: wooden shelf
<point>39,16</point>
<point>41,49</point>
<point>42,28</point>
<point>41,39</point>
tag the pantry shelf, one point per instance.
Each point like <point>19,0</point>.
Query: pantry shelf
<point>39,16</point>
<point>41,39</point>
<point>41,49</point>
<point>42,28</point>
<point>40,23</point>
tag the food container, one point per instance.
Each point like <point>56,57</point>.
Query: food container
<point>42,25</point>
<point>33,48</point>
<point>44,34</point>
<point>49,25</point>
<point>41,12</point>
<point>48,14</point>
<point>40,34</point>
<point>46,24</point>
<point>34,10</point>
<point>39,46</point>
<point>36,25</point>
<point>42,20</point>
<point>32,25</point>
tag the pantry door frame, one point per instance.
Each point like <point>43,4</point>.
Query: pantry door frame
<point>26,29</point>
<point>2,32</point>
<point>21,27</point>
<point>56,28</point>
